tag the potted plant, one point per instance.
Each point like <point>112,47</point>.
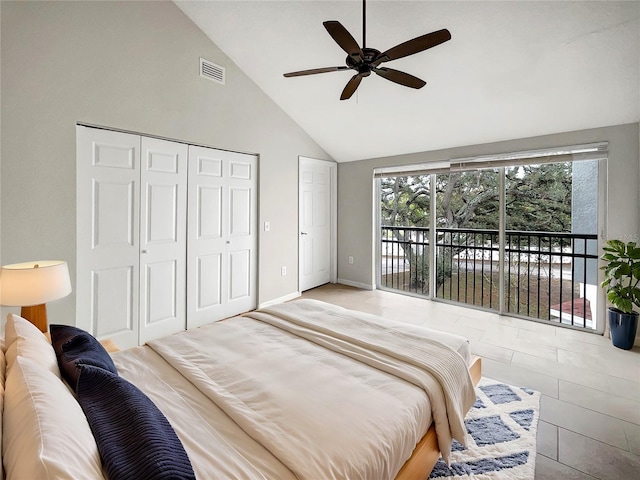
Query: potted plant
<point>622,279</point>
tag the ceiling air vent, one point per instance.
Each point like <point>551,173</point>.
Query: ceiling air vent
<point>211,71</point>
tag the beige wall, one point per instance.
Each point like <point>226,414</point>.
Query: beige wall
<point>356,227</point>
<point>131,66</point>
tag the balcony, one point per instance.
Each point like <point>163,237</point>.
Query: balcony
<point>547,276</point>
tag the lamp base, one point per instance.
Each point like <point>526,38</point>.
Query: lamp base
<point>36,314</point>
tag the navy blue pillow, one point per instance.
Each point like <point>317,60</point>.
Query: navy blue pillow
<point>74,347</point>
<point>134,438</point>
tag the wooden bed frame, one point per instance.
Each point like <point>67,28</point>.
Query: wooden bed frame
<point>426,453</point>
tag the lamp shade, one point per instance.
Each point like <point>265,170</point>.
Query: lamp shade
<point>34,283</point>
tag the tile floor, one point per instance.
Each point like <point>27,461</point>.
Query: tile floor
<point>590,409</point>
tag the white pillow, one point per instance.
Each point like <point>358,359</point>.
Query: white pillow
<point>46,435</point>
<point>24,339</point>
<point>17,326</point>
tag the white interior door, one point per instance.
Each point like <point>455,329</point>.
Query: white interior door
<point>222,235</point>
<point>108,201</point>
<point>163,238</point>
<point>315,222</point>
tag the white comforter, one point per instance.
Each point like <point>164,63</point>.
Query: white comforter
<point>425,362</point>
<point>312,390</point>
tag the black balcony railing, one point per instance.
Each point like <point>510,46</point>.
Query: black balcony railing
<point>547,276</point>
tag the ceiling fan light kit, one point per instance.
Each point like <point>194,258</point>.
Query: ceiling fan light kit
<point>366,60</point>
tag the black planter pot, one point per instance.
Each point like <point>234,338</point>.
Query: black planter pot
<point>623,328</point>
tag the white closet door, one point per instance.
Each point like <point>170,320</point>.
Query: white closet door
<point>107,276</point>
<point>163,203</point>
<point>222,235</point>
<point>242,239</point>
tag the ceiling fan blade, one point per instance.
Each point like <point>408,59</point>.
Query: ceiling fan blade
<point>351,87</point>
<point>414,45</point>
<point>343,38</point>
<point>399,77</point>
<point>314,71</point>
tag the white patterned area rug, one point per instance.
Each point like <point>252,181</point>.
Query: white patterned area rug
<point>501,436</point>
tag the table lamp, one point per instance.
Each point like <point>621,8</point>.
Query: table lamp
<point>32,284</point>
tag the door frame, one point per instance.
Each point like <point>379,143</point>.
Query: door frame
<point>333,221</point>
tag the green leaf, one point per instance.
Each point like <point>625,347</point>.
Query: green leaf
<point>625,305</point>
<point>617,245</point>
<point>613,264</point>
<point>634,253</point>
<point>613,272</point>
<point>623,269</point>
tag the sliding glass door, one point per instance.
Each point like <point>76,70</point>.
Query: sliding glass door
<point>519,239</point>
<point>551,242</point>
<point>467,226</point>
<point>405,214</point>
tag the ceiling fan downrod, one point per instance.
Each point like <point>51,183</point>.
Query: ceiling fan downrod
<point>364,24</point>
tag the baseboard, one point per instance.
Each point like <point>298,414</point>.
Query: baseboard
<point>275,301</point>
<point>350,283</point>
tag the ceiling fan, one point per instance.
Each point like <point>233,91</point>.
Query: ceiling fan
<point>366,60</point>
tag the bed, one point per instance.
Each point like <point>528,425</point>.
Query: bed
<point>301,390</point>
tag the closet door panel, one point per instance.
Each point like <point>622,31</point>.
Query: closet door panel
<point>222,245</point>
<point>242,243</point>
<point>209,245</point>
<point>239,212</point>
<point>208,281</point>
<point>209,212</point>
<point>239,275</point>
<point>162,214</point>
<point>162,292</point>
<point>108,203</point>
<point>113,292</point>
<point>113,214</point>
<point>163,220</point>
<point>206,286</point>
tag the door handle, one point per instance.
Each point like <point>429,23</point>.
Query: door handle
<point>145,251</point>
<point>303,233</point>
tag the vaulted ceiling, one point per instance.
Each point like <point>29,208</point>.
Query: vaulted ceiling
<point>511,70</point>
